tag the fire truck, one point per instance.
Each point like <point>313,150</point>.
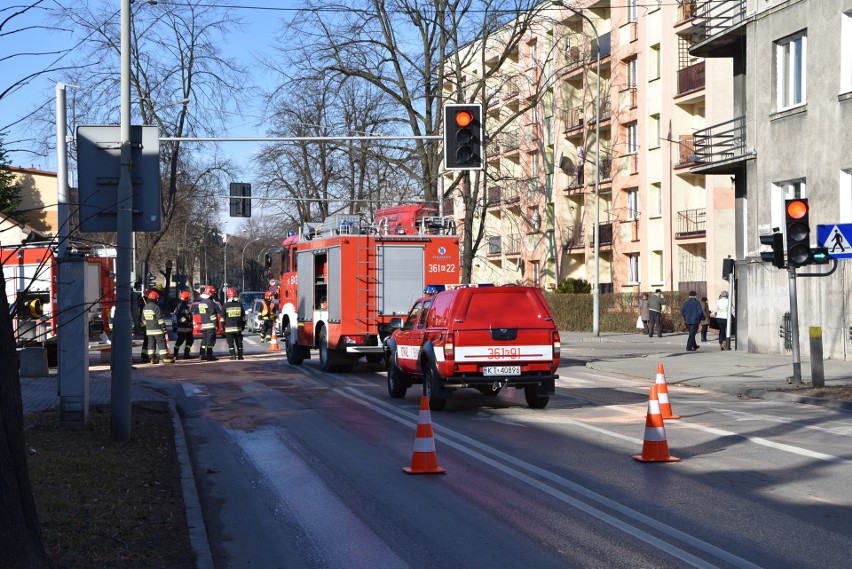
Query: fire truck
<point>344,279</point>
<point>31,273</point>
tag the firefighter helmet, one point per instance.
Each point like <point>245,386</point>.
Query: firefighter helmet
<point>268,295</point>
<point>153,295</point>
<point>209,290</point>
<point>232,293</point>
<point>184,295</point>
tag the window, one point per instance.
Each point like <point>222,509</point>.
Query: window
<point>632,138</point>
<point>535,270</point>
<point>633,204</point>
<point>790,59</point>
<point>656,201</point>
<point>654,63</point>
<point>657,268</point>
<point>654,132</point>
<point>633,269</point>
<point>534,218</point>
<point>846,53</point>
<point>782,191</point>
<point>632,77</point>
<point>632,10</point>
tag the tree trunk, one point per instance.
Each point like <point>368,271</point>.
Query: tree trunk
<point>20,534</point>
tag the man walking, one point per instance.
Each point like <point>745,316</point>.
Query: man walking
<point>655,310</point>
<point>692,314</point>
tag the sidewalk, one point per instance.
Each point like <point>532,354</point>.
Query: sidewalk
<point>731,371</point>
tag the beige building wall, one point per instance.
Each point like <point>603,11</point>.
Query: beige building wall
<point>39,196</point>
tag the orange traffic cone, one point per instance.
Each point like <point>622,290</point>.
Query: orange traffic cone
<point>663,394</point>
<point>273,343</point>
<point>655,448</point>
<point>424,460</point>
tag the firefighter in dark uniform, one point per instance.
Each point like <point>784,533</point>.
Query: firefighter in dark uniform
<point>155,330</point>
<point>267,315</point>
<point>184,325</point>
<point>235,323</point>
<point>141,320</point>
<point>209,312</point>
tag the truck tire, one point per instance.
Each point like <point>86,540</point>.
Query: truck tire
<point>294,352</point>
<point>430,388</point>
<point>398,384</point>
<point>534,400</point>
<point>330,360</point>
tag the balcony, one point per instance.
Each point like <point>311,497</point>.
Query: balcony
<point>495,246</point>
<point>720,28</point>
<point>494,193</point>
<point>533,132</point>
<point>691,223</point>
<point>575,237</point>
<point>685,10</point>
<point>512,244</point>
<point>686,154</point>
<point>534,187</point>
<point>573,121</point>
<point>509,141</point>
<point>605,230</point>
<point>449,206</point>
<point>606,110</point>
<point>690,78</point>
<point>575,58</point>
<point>510,194</point>
<point>721,148</point>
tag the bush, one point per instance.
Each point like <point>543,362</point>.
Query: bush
<point>618,311</point>
<point>574,286</point>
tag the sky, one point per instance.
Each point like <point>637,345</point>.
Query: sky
<point>260,29</point>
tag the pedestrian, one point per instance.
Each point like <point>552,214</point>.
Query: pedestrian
<point>655,311</point>
<point>155,330</point>
<point>692,314</point>
<point>643,311</point>
<point>183,316</point>
<point>235,323</point>
<point>705,322</point>
<point>722,309</point>
<point>267,316</point>
<point>209,313</point>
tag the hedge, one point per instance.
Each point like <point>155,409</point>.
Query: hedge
<point>618,311</point>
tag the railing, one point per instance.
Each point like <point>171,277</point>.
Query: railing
<point>574,237</point>
<point>513,244</point>
<point>494,193</point>
<point>713,17</point>
<point>449,206</point>
<point>534,186</point>
<point>573,118</point>
<point>509,141</point>
<point>533,131</point>
<point>511,194</point>
<point>721,142</point>
<point>685,10</point>
<point>690,78</point>
<point>575,57</point>
<point>512,86</point>
<point>691,223</point>
<point>605,232</point>
<point>686,147</point>
<point>495,245</point>
<point>605,169</point>
<point>606,109</point>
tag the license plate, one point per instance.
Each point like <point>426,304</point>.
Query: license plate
<point>501,370</point>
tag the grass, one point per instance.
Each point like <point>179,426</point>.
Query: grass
<point>105,504</point>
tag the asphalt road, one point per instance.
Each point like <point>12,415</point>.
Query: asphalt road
<point>297,468</point>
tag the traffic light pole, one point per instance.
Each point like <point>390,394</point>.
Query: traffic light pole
<point>796,379</point>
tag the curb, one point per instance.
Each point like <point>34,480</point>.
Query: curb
<point>839,404</point>
<point>194,516</point>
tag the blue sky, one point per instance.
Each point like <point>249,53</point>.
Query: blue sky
<point>258,34</point>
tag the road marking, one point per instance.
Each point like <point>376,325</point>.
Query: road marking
<point>845,430</point>
<point>467,445</point>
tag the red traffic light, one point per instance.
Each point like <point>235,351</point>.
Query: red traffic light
<point>797,209</point>
<point>464,118</point>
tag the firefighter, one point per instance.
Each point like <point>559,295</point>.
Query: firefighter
<point>155,330</point>
<point>209,312</point>
<point>140,318</point>
<point>235,323</point>
<point>267,315</point>
<point>184,325</point>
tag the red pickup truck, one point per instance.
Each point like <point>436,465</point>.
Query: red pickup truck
<point>484,337</point>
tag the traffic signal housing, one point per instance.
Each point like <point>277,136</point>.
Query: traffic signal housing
<point>463,134</point>
<point>240,201</point>
<point>819,256</point>
<point>798,232</point>
<point>776,241</point>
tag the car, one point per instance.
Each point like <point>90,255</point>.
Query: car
<point>484,337</point>
<point>247,298</point>
<point>253,322</point>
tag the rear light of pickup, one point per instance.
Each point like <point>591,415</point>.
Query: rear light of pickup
<point>449,346</point>
<point>557,344</point>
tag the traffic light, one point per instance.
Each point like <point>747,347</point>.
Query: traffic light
<point>240,201</point>
<point>798,232</point>
<point>819,256</point>
<point>150,281</point>
<point>776,241</point>
<point>463,133</point>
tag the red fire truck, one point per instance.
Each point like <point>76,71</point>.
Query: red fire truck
<point>30,272</point>
<point>344,279</point>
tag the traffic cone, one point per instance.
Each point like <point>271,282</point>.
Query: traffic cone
<point>655,448</point>
<point>424,460</point>
<point>273,343</point>
<point>663,394</point>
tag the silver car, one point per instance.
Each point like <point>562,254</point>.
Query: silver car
<point>253,322</point>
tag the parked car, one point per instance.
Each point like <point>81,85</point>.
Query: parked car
<point>482,337</point>
<point>253,323</point>
<point>247,298</point>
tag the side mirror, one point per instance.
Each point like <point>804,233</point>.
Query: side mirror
<point>395,323</point>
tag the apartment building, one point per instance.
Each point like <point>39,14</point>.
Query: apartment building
<point>787,136</point>
<point>591,122</point>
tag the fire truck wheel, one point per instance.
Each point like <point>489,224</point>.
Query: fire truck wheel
<point>534,400</point>
<point>397,383</point>
<point>429,390</point>
<point>330,362</point>
<point>294,354</point>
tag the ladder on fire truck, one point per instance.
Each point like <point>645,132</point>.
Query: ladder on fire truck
<point>368,283</point>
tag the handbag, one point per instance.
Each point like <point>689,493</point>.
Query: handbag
<point>639,324</point>
<point>713,323</point>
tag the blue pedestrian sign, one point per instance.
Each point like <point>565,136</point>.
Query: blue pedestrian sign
<point>837,238</point>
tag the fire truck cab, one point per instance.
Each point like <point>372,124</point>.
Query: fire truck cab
<point>343,280</point>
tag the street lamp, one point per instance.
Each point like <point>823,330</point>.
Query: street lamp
<point>243,261</point>
<point>596,291</point>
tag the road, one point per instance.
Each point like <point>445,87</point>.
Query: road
<point>297,468</point>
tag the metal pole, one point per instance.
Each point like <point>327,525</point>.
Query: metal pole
<point>224,265</point>
<point>62,170</point>
<point>796,379</point>
<point>122,338</point>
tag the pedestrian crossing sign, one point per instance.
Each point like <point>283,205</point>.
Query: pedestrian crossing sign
<point>836,238</point>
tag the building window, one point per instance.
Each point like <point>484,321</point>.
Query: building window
<point>633,269</point>
<point>845,196</point>
<point>846,53</point>
<point>534,219</point>
<point>632,138</point>
<point>791,75</point>
<point>633,204</point>
<point>654,132</point>
<point>632,75</point>
<point>656,201</point>
<point>657,268</point>
<point>535,271</point>
<point>632,10</point>
<point>654,63</point>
